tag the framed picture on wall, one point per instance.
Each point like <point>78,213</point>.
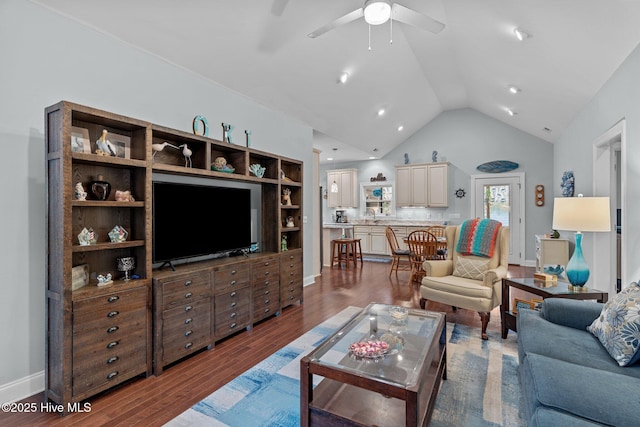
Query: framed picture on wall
<point>80,142</point>
<point>122,144</point>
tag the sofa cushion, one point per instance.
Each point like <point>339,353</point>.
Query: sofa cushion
<point>618,326</point>
<point>471,267</point>
<point>545,417</point>
<point>596,395</point>
<point>535,334</point>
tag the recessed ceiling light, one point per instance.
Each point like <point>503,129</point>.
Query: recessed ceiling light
<point>381,112</point>
<point>521,34</point>
<point>329,158</point>
<point>344,76</point>
<point>514,89</point>
<point>372,157</point>
<point>400,128</point>
<point>511,112</point>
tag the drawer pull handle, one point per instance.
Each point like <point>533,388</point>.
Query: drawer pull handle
<point>112,344</point>
<point>113,313</point>
<point>187,321</point>
<point>266,263</point>
<point>233,315</point>
<point>188,345</point>
<point>291,273</point>
<point>186,334</point>
<point>112,375</point>
<point>188,308</point>
<point>232,294</point>
<point>267,301</point>
<point>233,282</point>
<point>233,325</point>
<point>187,283</point>
<point>113,298</point>
<point>266,310</point>
<point>290,256</point>
<point>233,304</point>
<point>234,271</point>
<point>188,295</point>
<point>291,265</point>
<point>291,297</point>
<point>267,291</point>
<point>266,273</point>
<point>112,359</point>
<point>112,329</point>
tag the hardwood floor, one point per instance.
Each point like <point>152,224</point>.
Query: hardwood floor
<point>155,400</point>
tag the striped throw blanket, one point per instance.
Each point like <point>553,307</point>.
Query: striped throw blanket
<point>478,237</point>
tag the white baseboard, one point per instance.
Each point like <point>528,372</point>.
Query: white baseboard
<point>22,388</point>
<point>309,280</point>
<point>529,263</point>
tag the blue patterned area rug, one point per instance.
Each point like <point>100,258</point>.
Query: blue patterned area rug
<point>481,390</point>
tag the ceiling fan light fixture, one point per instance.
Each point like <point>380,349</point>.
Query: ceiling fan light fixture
<point>377,12</point>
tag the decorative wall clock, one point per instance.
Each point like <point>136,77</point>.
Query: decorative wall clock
<point>460,193</point>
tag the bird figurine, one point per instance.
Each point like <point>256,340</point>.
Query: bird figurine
<point>105,147</point>
<point>160,147</point>
<point>186,152</point>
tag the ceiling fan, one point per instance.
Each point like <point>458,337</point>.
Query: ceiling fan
<point>376,12</point>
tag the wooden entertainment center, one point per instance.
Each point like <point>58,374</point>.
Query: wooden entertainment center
<point>99,336</point>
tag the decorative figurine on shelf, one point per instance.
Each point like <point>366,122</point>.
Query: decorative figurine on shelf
<point>104,280</point>
<point>159,147</point>
<point>283,244</point>
<point>186,152</point>
<point>220,165</point>
<point>434,156</point>
<point>124,196</point>
<point>79,192</point>
<point>248,135</point>
<point>567,184</point>
<point>257,169</point>
<point>118,234</point>
<point>286,197</point>
<point>226,132</point>
<point>406,158</point>
<point>104,146</point>
<point>126,264</point>
<point>87,237</point>
<point>290,223</point>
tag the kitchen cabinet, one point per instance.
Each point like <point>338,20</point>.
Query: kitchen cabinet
<point>373,239</point>
<point>346,181</point>
<point>422,185</point>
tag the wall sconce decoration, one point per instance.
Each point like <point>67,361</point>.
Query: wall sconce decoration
<point>460,193</point>
<point>539,195</point>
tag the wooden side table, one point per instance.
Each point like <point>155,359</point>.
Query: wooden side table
<point>558,290</point>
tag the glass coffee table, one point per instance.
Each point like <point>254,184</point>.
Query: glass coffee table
<point>559,289</point>
<point>381,368</point>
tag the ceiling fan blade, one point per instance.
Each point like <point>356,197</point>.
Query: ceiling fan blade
<point>278,6</point>
<point>349,17</point>
<point>418,20</point>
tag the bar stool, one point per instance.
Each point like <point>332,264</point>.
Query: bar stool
<point>347,251</point>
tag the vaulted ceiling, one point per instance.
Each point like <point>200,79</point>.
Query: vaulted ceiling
<point>260,48</point>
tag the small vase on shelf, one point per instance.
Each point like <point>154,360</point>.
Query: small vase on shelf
<point>100,188</point>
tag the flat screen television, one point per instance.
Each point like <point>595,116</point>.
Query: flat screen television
<point>196,220</point>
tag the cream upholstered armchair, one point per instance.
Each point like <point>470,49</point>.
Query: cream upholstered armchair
<point>467,281</point>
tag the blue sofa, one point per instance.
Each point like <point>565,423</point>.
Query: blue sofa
<point>567,377</point>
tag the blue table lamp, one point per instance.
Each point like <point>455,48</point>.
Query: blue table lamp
<point>580,214</point>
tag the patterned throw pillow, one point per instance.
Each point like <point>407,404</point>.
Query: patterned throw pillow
<point>471,268</point>
<point>618,326</point>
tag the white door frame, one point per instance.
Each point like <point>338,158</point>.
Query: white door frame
<point>604,184</point>
<point>518,253</point>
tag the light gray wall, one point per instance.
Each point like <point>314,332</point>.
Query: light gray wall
<point>47,58</point>
<point>619,98</point>
<point>466,138</point>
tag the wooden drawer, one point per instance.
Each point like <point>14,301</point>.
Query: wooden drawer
<point>100,368</point>
<point>232,312</point>
<point>179,291</point>
<point>232,300</point>
<point>108,306</point>
<point>266,302</point>
<point>264,269</point>
<point>186,331</point>
<point>93,336</point>
<point>231,277</point>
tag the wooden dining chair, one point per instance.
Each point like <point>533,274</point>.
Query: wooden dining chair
<point>400,260</point>
<point>423,246</point>
<point>438,231</point>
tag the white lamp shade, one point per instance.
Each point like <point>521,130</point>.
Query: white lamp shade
<point>581,214</point>
<point>377,12</point>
